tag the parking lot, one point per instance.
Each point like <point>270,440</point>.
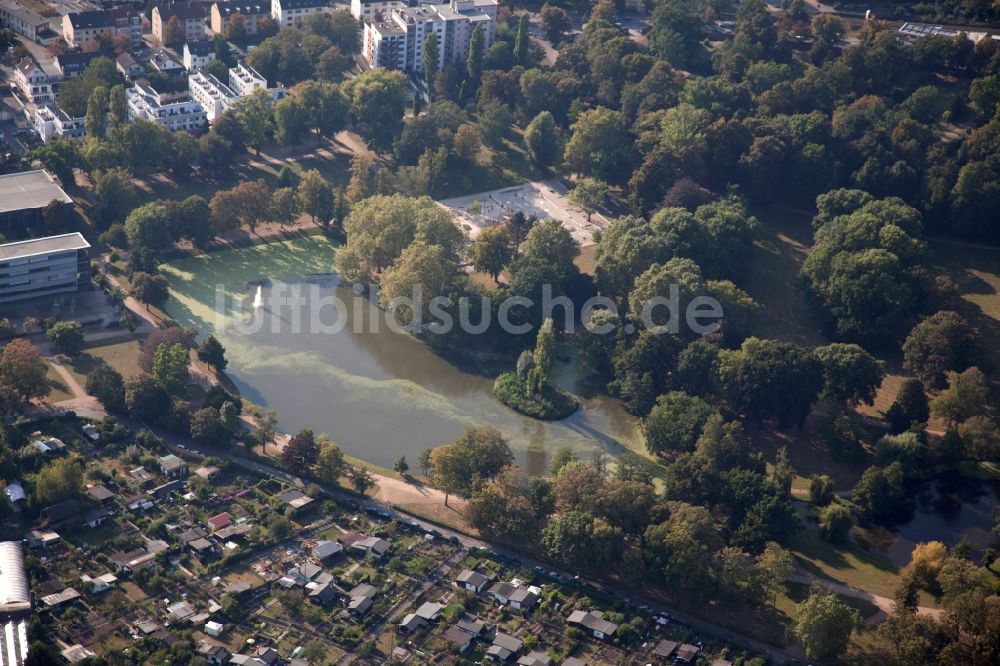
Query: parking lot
<point>543,199</point>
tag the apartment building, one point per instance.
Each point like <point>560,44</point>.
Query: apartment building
<point>32,81</point>
<point>80,28</point>
<point>370,9</point>
<point>50,121</point>
<point>43,266</point>
<point>217,97</point>
<point>192,15</point>
<point>72,65</point>
<point>243,80</point>
<point>252,13</point>
<point>214,96</point>
<point>175,111</point>
<point>396,41</point>
<point>289,13</point>
<point>197,55</point>
<point>25,22</point>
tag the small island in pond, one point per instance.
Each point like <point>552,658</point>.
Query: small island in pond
<point>528,391</point>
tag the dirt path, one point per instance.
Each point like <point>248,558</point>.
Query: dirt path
<point>884,604</point>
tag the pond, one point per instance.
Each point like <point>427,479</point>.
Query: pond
<point>379,394</point>
<point>947,509</point>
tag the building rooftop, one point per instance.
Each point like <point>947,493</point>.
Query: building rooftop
<point>14,594</point>
<point>30,189</point>
<point>92,19</point>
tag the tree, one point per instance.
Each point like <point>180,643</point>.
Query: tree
<point>555,23</point>
<point>599,145</point>
<point>589,194</point>
<point>284,207</point>
<point>824,624</point>
<point>301,452</point>
<point>965,396</point>
<point>541,140</point>
<point>377,101</point>
<point>474,61</point>
<point>253,113</point>
<point>66,337</point>
<point>491,252</point>
<point>380,227</point>
<point>95,122</point>
<point>22,371</point>
<point>942,342</point>
<point>467,144</point>
<point>117,107</point>
<point>211,352</point>
<point>909,407</point>
<point>265,422</point>
<point>145,398</point>
<point>291,120</point>
<point>420,265</point>
<point>675,423</point>
<point>522,40</point>
<point>279,528</point>
<point>235,29</point>
<point>770,379</point>
<point>247,203</point>
<point>330,463</point>
<point>150,289</point>
<point>173,32</point>
<point>58,481</point>
<point>878,492</point>
<point>480,453</point>
<point>315,197</point>
<point>108,386</point>
<point>432,54</point>
<point>772,569</point>
<point>59,156</point>
<point>401,466</point>
<point>148,226</point>
<point>170,367</point>
<point>114,196</point>
<point>361,479</point>
<point>207,427</point>
<point>835,523</point>
<point>850,374</point>
<point>926,562</point>
<point>820,489</point>
<point>424,461</point>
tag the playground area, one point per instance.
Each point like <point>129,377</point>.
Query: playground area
<point>543,199</point>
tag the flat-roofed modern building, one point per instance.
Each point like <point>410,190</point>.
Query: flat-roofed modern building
<point>23,196</point>
<point>43,267</point>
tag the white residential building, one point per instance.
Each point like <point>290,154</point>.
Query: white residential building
<point>214,96</point>
<point>172,111</point>
<point>243,80</point>
<point>288,13</point>
<point>197,55</point>
<point>32,81</point>
<point>369,9</point>
<point>397,40</point>
<point>50,121</point>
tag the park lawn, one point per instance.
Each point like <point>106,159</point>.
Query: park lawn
<point>587,259</point>
<point>775,262</point>
<point>332,160</point>
<point>58,391</point>
<point>796,593</point>
<point>849,564</point>
<point>122,355</point>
